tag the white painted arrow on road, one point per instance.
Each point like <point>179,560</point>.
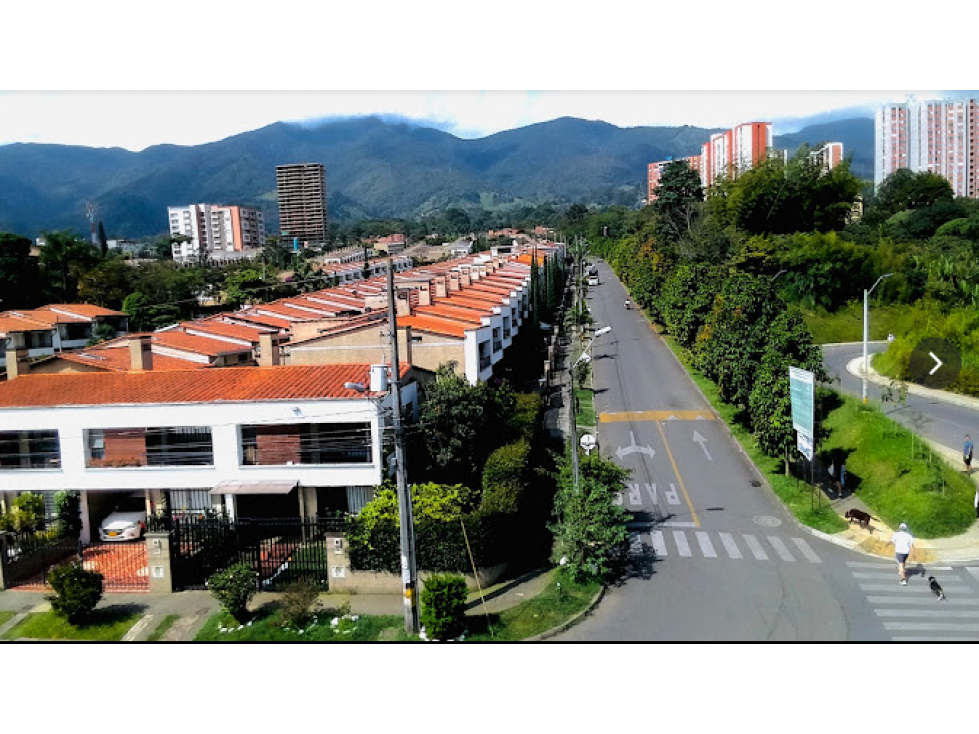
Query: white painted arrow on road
<point>702,441</point>
<point>938,364</point>
<point>633,448</point>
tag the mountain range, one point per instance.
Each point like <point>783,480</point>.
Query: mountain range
<point>375,168</point>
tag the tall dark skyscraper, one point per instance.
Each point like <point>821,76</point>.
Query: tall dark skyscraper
<point>302,201</point>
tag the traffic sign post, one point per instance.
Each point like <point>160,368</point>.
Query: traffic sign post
<point>802,389</point>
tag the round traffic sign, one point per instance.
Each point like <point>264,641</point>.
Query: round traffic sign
<point>935,363</point>
<point>588,442</point>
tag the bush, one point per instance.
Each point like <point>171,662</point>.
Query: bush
<point>297,602</point>
<point>76,592</point>
<point>526,418</point>
<point>504,477</point>
<point>444,606</point>
<point>68,506</point>
<point>26,514</point>
<point>234,587</point>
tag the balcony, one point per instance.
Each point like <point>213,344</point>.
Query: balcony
<point>116,448</point>
<point>306,444</point>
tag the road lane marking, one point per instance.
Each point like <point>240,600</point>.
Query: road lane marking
<point>729,545</point>
<point>756,548</point>
<point>659,545</point>
<point>933,639</point>
<point>678,477</point>
<point>947,583</point>
<point>930,627</point>
<point>134,631</point>
<point>780,548</point>
<point>679,524</point>
<point>808,552</point>
<point>909,600</point>
<point>706,547</point>
<point>974,572</point>
<point>869,564</point>
<point>635,498</point>
<point>909,589</point>
<point>681,543</point>
<point>936,613</point>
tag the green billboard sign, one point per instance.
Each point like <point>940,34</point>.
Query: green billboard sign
<point>802,384</point>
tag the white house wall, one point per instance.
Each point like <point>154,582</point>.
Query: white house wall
<point>224,421</point>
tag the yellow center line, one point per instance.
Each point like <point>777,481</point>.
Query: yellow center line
<point>678,477</point>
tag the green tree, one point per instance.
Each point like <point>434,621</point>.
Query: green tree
<point>19,274</point>
<point>677,195</point>
<point>789,344</point>
<point>108,283</point>
<point>906,189</point>
<point>242,286</point>
<point>462,423</point>
<point>64,259</point>
<point>590,535</point>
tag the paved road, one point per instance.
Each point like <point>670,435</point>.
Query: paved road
<point>721,559</point>
<point>942,422</point>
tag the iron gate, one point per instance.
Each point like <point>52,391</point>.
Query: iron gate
<point>29,558</point>
<point>280,550</point>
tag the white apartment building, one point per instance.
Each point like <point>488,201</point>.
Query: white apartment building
<point>218,437</point>
<point>938,136</point>
<point>215,228</point>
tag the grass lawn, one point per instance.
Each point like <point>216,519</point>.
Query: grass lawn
<point>268,626</point>
<point>106,625</point>
<point>918,488</point>
<point>6,616</point>
<point>846,325</point>
<point>555,605</point>
<point>586,407</point>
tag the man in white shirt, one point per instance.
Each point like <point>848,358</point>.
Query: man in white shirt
<point>903,547</point>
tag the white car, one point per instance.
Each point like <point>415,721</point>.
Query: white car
<point>126,522</point>
<point>593,281</point>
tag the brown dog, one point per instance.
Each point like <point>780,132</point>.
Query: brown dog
<point>863,518</point>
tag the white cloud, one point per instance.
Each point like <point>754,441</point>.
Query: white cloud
<point>135,120</point>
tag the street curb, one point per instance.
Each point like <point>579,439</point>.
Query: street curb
<point>852,344</point>
<point>963,401</point>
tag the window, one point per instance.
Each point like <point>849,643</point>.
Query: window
<point>29,450</point>
<point>163,446</point>
<point>305,444</point>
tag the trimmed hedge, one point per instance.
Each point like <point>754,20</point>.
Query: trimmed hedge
<point>504,477</point>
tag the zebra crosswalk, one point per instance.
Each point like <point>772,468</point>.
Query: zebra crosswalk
<point>724,546</point>
<point>913,613</point>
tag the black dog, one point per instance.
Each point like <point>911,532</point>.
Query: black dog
<point>860,516</point>
<point>936,588</point>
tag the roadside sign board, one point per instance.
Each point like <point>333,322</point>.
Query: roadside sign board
<point>801,391</point>
<point>804,444</point>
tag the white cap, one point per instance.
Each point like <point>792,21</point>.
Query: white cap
<point>902,526</point>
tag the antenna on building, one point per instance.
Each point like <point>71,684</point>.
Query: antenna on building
<point>90,215</point>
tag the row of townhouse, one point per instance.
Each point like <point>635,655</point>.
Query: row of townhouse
<point>271,431</point>
<point>56,327</point>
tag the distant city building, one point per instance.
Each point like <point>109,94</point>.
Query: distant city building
<point>726,155</point>
<point>215,228</point>
<point>655,171</point>
<point>393,244</point>
<point>301,189</point>
<point>938,136</point>
<point>828,156</point>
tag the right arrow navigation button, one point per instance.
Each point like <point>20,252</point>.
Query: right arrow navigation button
<point>935,363</point>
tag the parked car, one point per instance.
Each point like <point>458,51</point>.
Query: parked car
<point>593,280</point>
<point>127,521</point>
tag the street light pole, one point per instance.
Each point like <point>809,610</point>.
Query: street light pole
<point>409,572</point>
<point>866,331</point>
<point>572,419</point>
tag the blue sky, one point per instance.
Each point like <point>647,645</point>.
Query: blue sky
<point>135,120</point>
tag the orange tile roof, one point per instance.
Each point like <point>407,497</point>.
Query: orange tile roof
<point>117,360</point>
<point>468,315</point>
<point>11,324</point>
<point>446,327</point>
<point>472,300</point>
<point>81,309</point>
<point>49,317</point>
<point>261,319</point>
<point>232,384</point>
<point>232,331</point>
<point>197,344</point>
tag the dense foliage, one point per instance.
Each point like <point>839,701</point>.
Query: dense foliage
<point>443,613</point>
<point>76,592</point>
<point>234,587</point>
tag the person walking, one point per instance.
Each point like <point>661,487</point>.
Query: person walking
<point>967,454</point>
<point>903,548</point>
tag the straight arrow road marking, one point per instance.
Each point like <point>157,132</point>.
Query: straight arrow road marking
<point>702,441</point>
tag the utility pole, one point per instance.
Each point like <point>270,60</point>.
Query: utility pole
<point>409,573</point>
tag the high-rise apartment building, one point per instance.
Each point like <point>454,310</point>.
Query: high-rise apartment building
<point>938,136</point>
<point>828,156</point>
<point>726,155</point>
<point>216,228</point>
<point>302,201</point>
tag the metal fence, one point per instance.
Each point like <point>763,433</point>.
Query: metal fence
<point>280,550</point>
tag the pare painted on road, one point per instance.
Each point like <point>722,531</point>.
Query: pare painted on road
<point>671,495</point>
